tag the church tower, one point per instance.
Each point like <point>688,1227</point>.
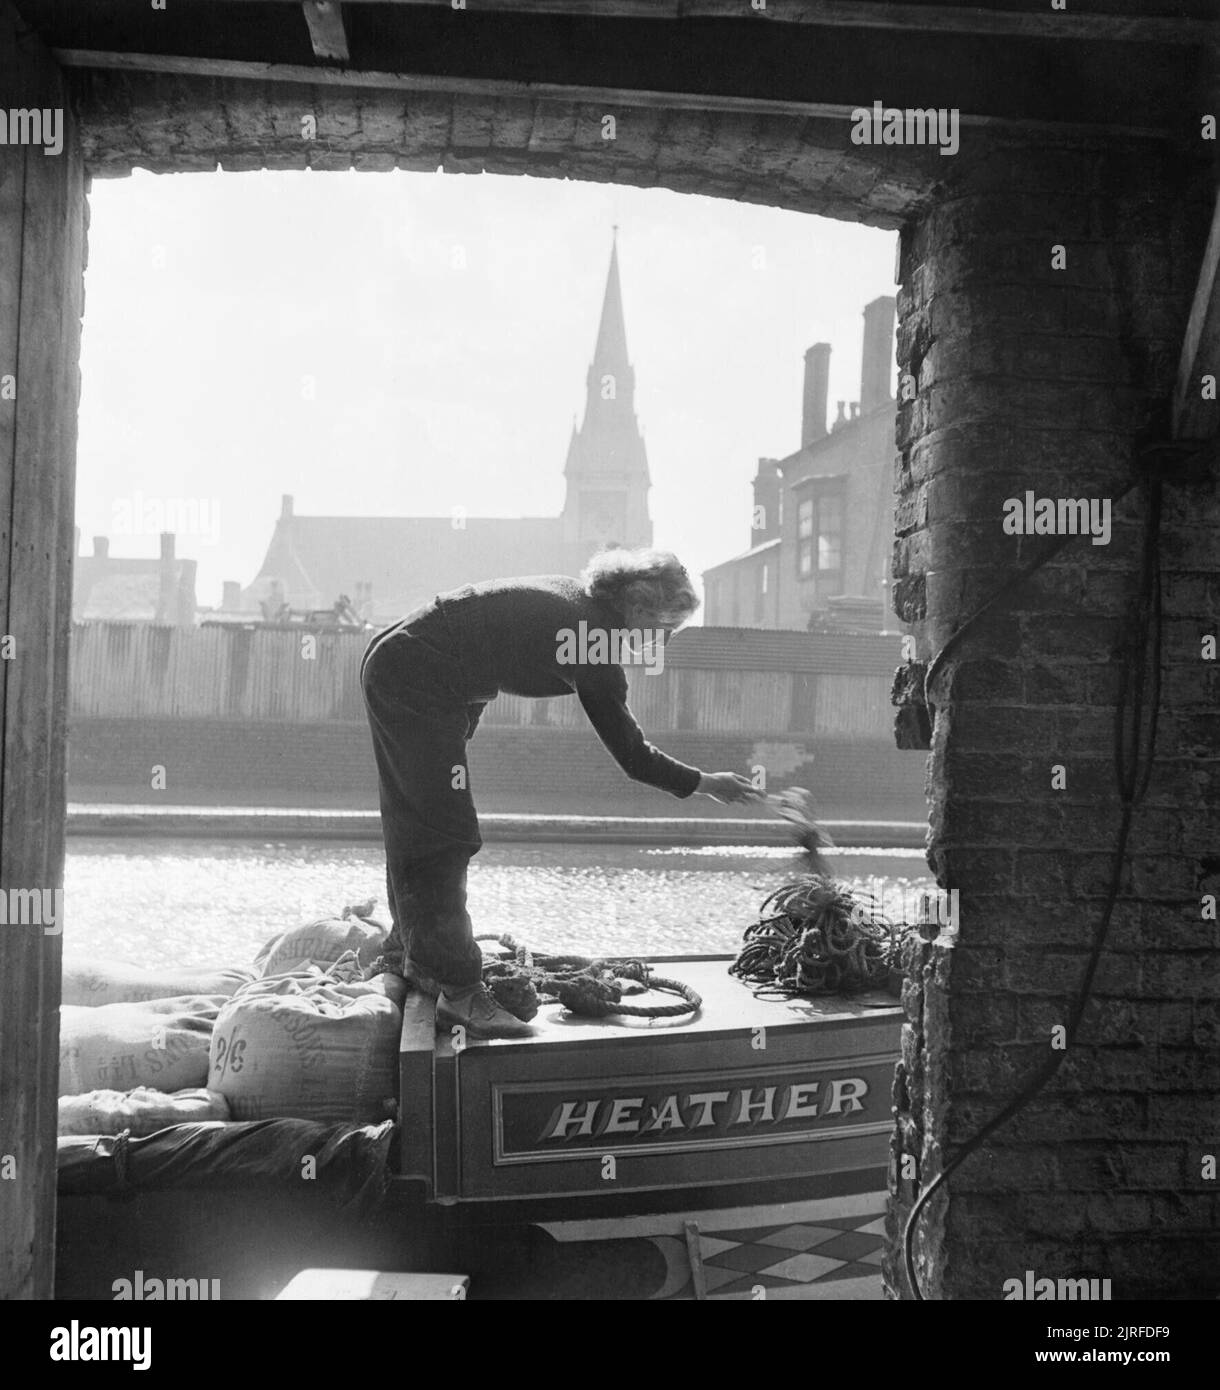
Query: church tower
<point>607,469</point>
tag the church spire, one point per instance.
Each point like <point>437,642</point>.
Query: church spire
<point>607,464</point>
<point>610,354</point>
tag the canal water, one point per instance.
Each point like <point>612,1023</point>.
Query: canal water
<point>178,902</point>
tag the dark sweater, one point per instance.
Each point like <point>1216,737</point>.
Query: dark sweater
<point>507,638</point>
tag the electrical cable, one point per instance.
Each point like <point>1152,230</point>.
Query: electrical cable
<point>1144,655</point>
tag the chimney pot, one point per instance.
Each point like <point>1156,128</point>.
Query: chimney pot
<point>167,545</point>
<point>767,486</point>
<point>101,547</point>
<point>813,408</point>
<point>877,358</point>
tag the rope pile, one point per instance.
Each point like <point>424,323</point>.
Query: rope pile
<point>590,987</point>
<point>823,939</point>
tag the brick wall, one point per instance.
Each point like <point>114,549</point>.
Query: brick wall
<point>1033,378</point>
<point>252,761</point>
<point>168,122</point>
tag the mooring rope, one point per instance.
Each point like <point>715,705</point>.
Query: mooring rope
<point>824,940</point>
<point>584,985</point>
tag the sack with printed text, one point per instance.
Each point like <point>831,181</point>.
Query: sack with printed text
<point>161,1043</point>
<point>325,941</point>
<point>310,1045</point>
<point>88,982</point>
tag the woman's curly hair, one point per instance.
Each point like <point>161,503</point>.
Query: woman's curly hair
<point>652,583</point>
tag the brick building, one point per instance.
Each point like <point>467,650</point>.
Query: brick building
<point>388,565</point>
<point>111,588</point>
<point>822,516</point>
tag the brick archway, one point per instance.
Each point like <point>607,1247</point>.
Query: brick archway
<point>166,122</point>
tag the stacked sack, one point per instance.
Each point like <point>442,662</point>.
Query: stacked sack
<point>141,1111</point>
<point>137,1046</point>
<point>89,983</point>
<point>161,1043</point>
<point>324,942</point>
<point>311,1044</point>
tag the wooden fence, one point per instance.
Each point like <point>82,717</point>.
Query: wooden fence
<point>138,671</point>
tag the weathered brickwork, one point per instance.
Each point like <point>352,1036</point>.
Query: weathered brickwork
<point>170,123</point>
<point>1030,378</point>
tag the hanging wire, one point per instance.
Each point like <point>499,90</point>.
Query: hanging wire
<point>1134,753</point>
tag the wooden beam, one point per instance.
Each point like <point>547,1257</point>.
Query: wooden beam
<point>871,14</point>
<point>42,233</point>
<point>533,91</point>
<point>326,30</point>
<point>1194,417</point>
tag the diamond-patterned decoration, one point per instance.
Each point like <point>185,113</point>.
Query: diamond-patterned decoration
<point>788,1257</point>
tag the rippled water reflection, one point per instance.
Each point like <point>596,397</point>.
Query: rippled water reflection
<point>178,902</point>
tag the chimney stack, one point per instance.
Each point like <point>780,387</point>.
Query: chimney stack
<point>285,506</point>
<point>878,356</point>
<point>817,378</point>
<point>167,589</point>
<point>230,600</point>
<point>764,524</point>
<point>101,547</point>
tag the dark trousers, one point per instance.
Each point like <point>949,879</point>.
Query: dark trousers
<point>411,682</point>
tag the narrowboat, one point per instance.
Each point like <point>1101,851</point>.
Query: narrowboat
<point>738,1152</point>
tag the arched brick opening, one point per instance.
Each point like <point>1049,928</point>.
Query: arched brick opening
<point>165,122</point>
<point>1021,375</point>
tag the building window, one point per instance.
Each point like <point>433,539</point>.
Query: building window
<point>819,535</point>
<point>830,531</point>
<point>804,538</point>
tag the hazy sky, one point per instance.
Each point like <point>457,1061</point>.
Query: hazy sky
<point>218,305</point>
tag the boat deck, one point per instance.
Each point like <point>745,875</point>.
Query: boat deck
<point>748,1091</point>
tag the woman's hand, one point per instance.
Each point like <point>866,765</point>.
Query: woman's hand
<point>727,787</point>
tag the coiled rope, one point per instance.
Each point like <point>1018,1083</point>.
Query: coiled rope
<point>587,986</point>
<point>825,939</point>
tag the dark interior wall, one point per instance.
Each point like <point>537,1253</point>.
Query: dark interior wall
<point>1031,378</point>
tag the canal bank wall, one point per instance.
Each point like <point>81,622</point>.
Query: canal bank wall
<point>541,770</point>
